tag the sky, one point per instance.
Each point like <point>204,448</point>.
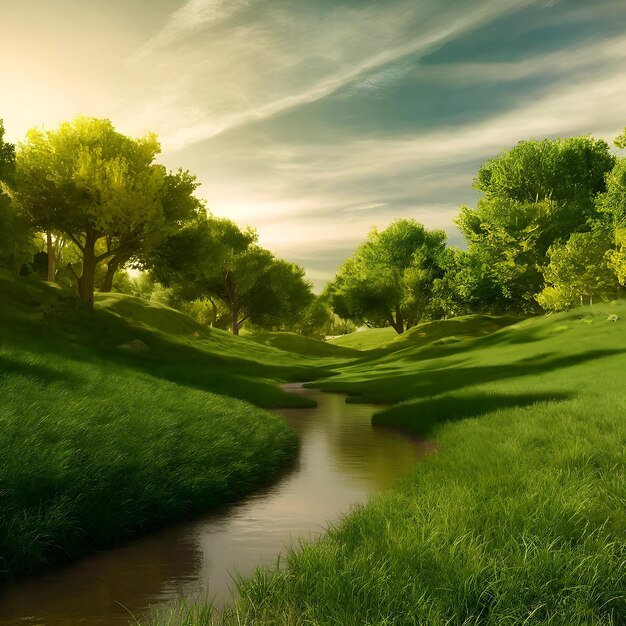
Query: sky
<point>314,120</point>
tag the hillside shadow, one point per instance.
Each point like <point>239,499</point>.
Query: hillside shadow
<point>36,372</point>
<point>421,417</point>
<point>428,383</point>
<point>209,363</point>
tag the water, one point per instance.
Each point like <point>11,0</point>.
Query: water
<point>342,460</point>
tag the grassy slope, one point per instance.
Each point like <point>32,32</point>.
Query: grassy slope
<point>100,443</point>
<point>305,346</point>
<point>368,339</point>
<point>520,517</point>
<point>385,340</point>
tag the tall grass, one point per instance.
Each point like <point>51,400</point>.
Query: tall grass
<point>92,455</point>
<point>518,518</point>
<point>99,444</point>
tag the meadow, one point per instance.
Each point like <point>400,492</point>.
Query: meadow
<point>520,515</point>
<point>111,423</point>
<point>128,418</point>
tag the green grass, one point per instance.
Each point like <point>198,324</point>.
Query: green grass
<point>453,330</point>
<point>305,346</point>
<point>367,339</point>
<point>101,443</point>
<point>519,517</point>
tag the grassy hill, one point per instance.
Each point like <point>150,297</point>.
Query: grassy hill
<point>444,331</point>
<point>367,339</point>
<point>124,419</point>
<point>520,515</point>
<point>305,346</point>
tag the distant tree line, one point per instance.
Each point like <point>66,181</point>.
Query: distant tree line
<point>548,233</point>
<point>81,203</point>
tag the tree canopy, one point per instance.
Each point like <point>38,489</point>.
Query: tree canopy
<point>91,184</point>
<point>389,279</point>
<point>213,258</point>
<point>535,196</point>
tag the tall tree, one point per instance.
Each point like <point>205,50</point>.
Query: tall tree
<point>536,195</point>
<point>88,182</point>
<point>389,279</point>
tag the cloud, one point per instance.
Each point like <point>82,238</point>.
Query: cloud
<point>191,17</point>
<point>331,194</point>
<point>282,57</point>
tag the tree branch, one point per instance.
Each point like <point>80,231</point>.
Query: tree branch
<point>78,244</point>
<point>115,251</point>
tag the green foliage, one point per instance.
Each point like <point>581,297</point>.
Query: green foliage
<point>91,184</point>
<point>208,311</point>
<point>620,141</point>
<point>213,258</point>
<point>570,171</point>
<point>390,277</point>
<point>17,241</point>
<point>612,206</point>
<point>579,272</point>
<point>536,195</point>
<point>179,206</point>
<point>466,286</point>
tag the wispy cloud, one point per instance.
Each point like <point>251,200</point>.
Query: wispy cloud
<point>260,76</point>
<point>191,17</point>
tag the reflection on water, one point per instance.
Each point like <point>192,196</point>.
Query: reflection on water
<point>342,460</point>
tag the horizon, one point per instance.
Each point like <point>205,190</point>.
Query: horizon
<point>315,123</point>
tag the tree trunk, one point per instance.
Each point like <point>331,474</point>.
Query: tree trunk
<point>112,267</point>
<point>52,258</point>
<point>397,323</point>
<point>88,276</point>
<point>214,320</point>
<point>235,326</point>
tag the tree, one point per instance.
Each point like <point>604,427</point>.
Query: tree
<point>579,271</point>
<point>535,196</point>
<point>316,319</point>
<point>389,279</point>
<point>17,244</point>
<point>89,183</point>
<point>213,258</point>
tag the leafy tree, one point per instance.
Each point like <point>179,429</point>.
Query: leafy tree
<point>568,170</point>
<point>89,183</point>
<point>535,195</point>
<point>213,258</point>
<point>579,271</point>
<point>612,206</point>
<point>17,244</point>
<point>389,279</point>
<point>210,311</point>
<point>316,319</point>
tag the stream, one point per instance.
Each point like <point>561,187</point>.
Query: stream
<point>343,459</point>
